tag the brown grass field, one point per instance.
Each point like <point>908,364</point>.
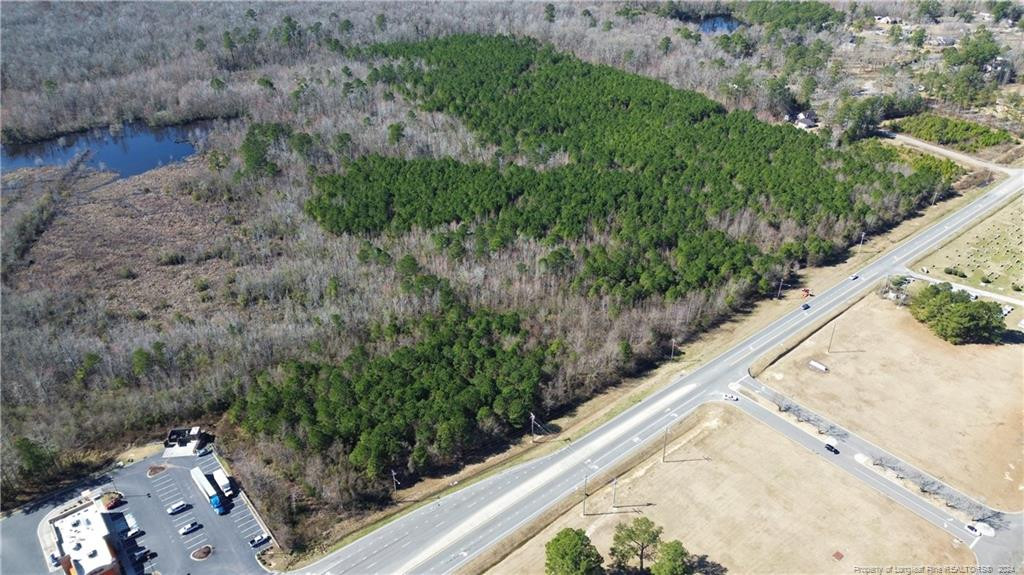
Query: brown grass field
<point>762,504</point>
<point>954,411</point>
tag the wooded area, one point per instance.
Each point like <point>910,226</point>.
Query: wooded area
<point>550,215</point>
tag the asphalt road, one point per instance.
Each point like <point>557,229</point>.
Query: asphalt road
<point>147,500</point>
<point>447,533</point>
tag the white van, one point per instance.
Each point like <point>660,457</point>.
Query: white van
<point>177,508</point>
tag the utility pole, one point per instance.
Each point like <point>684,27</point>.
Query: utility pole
<point>862,234</point>
<point>584,495</point>
<point>615,485</point>
<point>782,278</point>
<point>394,481</point>
<point>664,445</point>
<point>533,425</point>
<point>834,325</point>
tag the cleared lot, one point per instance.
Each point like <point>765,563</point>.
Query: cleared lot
<point>955,411</point>
<point>762,504</point>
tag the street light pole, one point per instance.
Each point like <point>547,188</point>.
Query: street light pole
<point>584,495</point>
<point>615,485</point>
<point>862,234</point>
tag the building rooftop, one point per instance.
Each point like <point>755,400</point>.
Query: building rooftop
<point>82,536</point>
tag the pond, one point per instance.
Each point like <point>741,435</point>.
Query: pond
<point>716,24</point>
<point>130,150</point>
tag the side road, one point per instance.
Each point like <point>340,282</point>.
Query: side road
<point>449,533</point>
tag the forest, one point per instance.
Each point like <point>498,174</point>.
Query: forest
<point>468,378</point>
<point>654,167</point>
<point>560,212</point>
<point>961,134</point>
<point>653,174</point>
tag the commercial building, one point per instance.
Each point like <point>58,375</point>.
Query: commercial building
<point>85,545</point>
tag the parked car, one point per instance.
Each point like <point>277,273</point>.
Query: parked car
<point>177,508</point>
<point>54,560</point>
<point>204,451</point>
<point>141,555</point>
<point>259,540</point>
<point>131,533</point>
<point>189,528</point>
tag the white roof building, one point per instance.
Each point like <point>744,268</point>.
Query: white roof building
<point>83,540</point>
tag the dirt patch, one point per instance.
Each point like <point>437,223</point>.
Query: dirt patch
<point>992,250</point>
<point>762,504</point>
<point>953,411</point>
<point>155,470</point>
<point>140,452</point>
<point>141,242</point>
<point>202,553</point>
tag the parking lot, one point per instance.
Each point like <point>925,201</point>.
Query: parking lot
<point>146,501</point>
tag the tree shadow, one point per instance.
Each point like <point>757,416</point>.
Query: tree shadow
<point>58,498</point>
<point>1012,337</point>
<point>701,564</point>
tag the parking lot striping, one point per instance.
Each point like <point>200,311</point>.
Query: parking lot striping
<point>187,541</point>
<point>185,522</point>
<point>242,517</point>
<point>241,525</point>
<point>166,487</point>
<point>199,543</point>
<point>253,532</point>
<point>163,478</point>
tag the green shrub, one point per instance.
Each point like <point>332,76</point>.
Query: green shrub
<point>171,258</point>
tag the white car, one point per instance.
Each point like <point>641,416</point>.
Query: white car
<point>853,277</point>
<point>177,508</point>
<point>730,397</point>
<point>258,540</point>
<point>189,528</point>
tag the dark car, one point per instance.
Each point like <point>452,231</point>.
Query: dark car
<point>832,449</point>
<point>806,306</point>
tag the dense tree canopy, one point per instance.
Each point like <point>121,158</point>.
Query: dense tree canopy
<point>469,376</point>
<point>955,318</point>
<point>961,134</point>
<point>657,168</point>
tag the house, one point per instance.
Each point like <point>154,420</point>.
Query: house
<point>806,120</point>
<point>805,124</point>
